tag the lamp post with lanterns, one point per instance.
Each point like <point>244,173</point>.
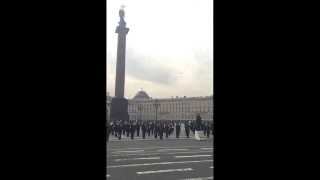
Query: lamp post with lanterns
<point>156,105</point>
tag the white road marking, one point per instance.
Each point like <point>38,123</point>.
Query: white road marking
<point>127,151</point>
<point>162,171</point>
<point>159,163</point>
<point>202,178</point>
<point>128,140</point>
<point>136,159</point>
<point>211,167</point>
<point>207,148</point>
<point>173,150</point>
<point>159,147</point>
<point>108,175</point>
<point>191,156</point>
<point>191,152</point>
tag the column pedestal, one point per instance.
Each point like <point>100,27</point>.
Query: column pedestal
<point>119,109</point>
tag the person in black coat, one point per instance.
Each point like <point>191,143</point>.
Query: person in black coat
<point>156,130</point>
<point>193,127</point>
<point>171,128</point>
<point>167,129</point>
<point>119,130</point>
<point>144,129</point>
<point>161,130</point>
<point>187,129</point>
<point>116,129</point>
<point>152,127</point>
<point>112,128</point>
<point>138,128</point>
<point>204,128</point>
<point>148,126</point>
<point>208,127</point>
<point>124,128</point>
<point>178,129</point>
<point>132,130</point>
<point>128,129</point>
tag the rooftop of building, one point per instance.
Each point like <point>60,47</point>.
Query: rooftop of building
<point>141,95</point>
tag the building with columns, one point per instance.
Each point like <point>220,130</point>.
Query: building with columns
<point>174,108</point>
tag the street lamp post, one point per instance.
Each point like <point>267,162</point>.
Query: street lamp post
<point>140,108</point>
<point>156,105</point>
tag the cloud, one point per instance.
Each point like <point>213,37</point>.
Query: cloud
<point>148,68</point>
<point>163,41</point>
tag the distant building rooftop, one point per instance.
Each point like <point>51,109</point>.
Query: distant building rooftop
<point>141,95</point>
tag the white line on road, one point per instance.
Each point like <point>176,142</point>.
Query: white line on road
<point>127,151</point>
<point>189,152</point>
<point>173,150</point>
<point>137,159</point>
<point>130,140</point>
<point>211,167</point>
<point>108,175</point>
<point>191,156</point>
<point>202,178</point>
<point>159,163</point>
<point>160,147</point>
<point>207,148</point>
<point>162,171</point>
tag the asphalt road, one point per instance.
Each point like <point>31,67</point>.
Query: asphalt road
<point>160,160</point>
<point>151,137</point>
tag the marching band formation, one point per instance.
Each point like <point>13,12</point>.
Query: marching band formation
<point>119,128</point>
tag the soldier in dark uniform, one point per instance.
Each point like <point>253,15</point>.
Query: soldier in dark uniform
<point>120,126</point>
<point>128,128</point>
<point>177,129</point>
<point>156,130</point>
<point>116,129</point>
<point>171,128</point>
<point>204,128</point>
<point>208,127</point>
<point>186,127</point>
<point>138,128</point>
<point>112,128</point>
<point>167,128</point>
<point>193,128</point>
<point>152,127</point>
<point>132,130</point>
<point>144,129</point>
<point>124,128</point>
<point>148,126</point>
<point>161,130</point>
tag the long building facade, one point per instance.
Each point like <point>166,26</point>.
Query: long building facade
<point>174,108</point>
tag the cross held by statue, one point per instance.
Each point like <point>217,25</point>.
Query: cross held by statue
<point>122,6</point>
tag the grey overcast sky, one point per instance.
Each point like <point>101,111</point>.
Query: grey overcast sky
<point>169,47</point>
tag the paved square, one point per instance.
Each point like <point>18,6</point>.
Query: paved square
<point>160,160</point>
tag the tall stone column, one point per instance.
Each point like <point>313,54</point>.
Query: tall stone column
<point>119,105</point>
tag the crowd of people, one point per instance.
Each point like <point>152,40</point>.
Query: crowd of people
<point>130,128</point>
